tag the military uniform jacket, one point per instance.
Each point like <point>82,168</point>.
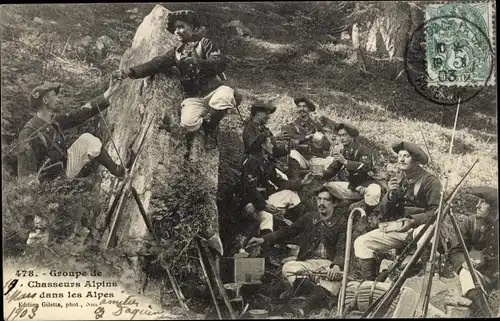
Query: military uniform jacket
<point>313,230</point>
<point>359,164</point>
<point>253,137</point>
<point>482,236</point>
<point>39,139</point>
<point>298,130</point>
<point>211,63</point>
<point>260,180</point>
<point>417,198</point>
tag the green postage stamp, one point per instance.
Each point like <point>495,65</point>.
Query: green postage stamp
<point>460,44</point>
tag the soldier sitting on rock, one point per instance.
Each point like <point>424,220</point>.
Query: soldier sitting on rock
<point>44,154</point>
<point>266,193</point>
<point>322,237</point>
<point>312,147</point>
<point>412,199</point>
<point>357,161</point>
<point>200,65</point>
<point>480,233</point>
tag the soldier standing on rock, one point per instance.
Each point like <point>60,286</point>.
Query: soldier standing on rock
<point>200,65</point>
<point>44,154</point>
<point>480,233</point>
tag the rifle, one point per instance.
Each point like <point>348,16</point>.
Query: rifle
<point>399,260</point>
<point>382,304</point>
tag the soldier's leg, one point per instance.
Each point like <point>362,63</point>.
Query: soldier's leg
<point>296,162</point>
<point>292,268</point>
<point>192,111</point>
<point>469,290</point>
<point>284,198</point>
<point>366,245</point>
<point>86,148</point>
<point>340,190</point>
<point>372,195</point>
<point>323,161</point>
<point>220,101</point>
<point>426,254</point>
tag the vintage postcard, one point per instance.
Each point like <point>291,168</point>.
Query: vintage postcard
<point>271,160</point>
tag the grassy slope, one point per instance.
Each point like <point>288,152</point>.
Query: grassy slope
<point>275,63</point>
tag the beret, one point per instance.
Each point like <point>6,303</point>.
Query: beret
<point>39,91</point>
<point>262,106</point>
<point>309,103</point>
<point>183,15</point>
<point>489,194</point>
<point>351,130</point>
<point>416,152</point>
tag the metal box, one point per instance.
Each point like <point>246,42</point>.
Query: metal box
<point>241,270</point>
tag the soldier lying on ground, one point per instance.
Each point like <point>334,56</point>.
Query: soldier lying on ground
<point>412,199</point>
<point>44,154</point>
<point>312,147</point>
<point>357,160</point>
<point>200,65</point>
<point>480,233</point>
<point>266,193</point>
<point>322,235</point>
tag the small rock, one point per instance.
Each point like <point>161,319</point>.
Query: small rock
<point>132,17</point>
<point>85,41</point>
<point>345,35</point>
<point>138,20</point>
<point>37,20</point>
<point>237,27</point>
<point>135,10</point>
<point>104,41</point>
<point>78,25</point>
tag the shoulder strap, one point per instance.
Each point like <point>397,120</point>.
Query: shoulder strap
<point>416,187</point>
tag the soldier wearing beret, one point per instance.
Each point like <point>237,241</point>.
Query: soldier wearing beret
<point>200,65</point>
<point>265,192</point>
<point>312,147</point>
<point>412,199</point>
<point>255,130</point>
<point>43,151</point>
<point>480,233</point>
<point>357,161</point>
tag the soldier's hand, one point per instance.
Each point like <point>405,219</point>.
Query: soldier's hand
<point>114,84</point>
<point>272,209</point>
<point>407,224</point>
<point>255,241</point>
<point>393,184</point>
<point>307,179</point>
<point>339,158</point>
<point>334,273</point>
<point>475,264</point>
<point>120,74</point>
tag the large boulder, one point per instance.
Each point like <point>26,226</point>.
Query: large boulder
<point>178,193</point>
<point>237,28</point>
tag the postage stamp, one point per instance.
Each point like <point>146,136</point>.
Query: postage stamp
<point>459,44</point>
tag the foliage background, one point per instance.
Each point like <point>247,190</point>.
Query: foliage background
<point>295,47</point>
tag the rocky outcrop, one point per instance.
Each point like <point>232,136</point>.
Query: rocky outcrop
<point>173,189</point>
<point>236,27</point>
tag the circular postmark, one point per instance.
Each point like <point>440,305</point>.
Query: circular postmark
<point>449,58</point>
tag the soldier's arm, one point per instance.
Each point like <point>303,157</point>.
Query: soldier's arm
<point>364,162</point>
<point>456,254</point>
<point>432,188</point>
<point>250,176</point>
<point>339,246</point>
<point>331,170</point>
<point>80,115</point>
<point>292,184</point>
<point>26,159</point>
<point>287,232</point>
<point>253,138</point>
<point>156,65</point>
<point>215,62</point>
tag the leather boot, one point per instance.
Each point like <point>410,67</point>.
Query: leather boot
<point>105,160</point>
<point>267,251</point>
<point>368,269</point>
<point>210,123</point>
<point>478,306</point>
<point>293,169</point>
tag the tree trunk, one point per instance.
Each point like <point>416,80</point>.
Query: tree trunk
<point>179,193</point>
